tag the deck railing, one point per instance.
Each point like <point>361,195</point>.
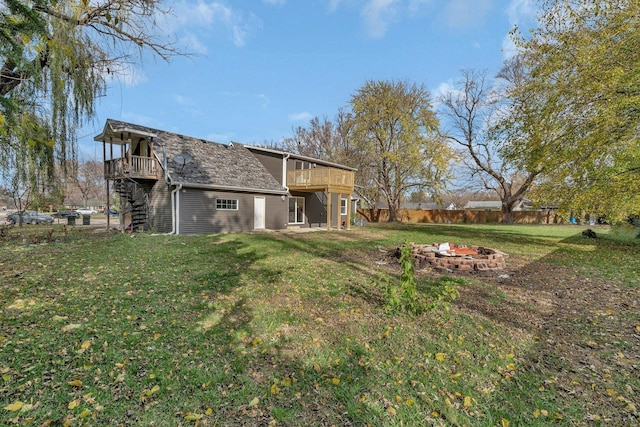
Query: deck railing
<point>315,179</point>
<point>139,167</point>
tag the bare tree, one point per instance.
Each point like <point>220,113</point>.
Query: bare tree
<point>90,180</point>
<point>479,113</point>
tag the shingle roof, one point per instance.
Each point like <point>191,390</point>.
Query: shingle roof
<point>209,163</point>
<point>483,204</point>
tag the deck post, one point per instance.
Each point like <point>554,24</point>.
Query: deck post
<point>349,212</point>
<point>328,210</point>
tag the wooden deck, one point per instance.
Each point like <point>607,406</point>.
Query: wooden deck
<point>332,180</point>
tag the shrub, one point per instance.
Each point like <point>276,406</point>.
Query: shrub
<point>405,298</point>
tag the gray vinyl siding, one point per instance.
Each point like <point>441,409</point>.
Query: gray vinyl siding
<point>277,212</point>
<point>315,209</point>
<point>272,163</point>
<point>198,213</point>
<point>160,207</point>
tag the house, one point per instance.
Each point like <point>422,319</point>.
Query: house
<point>184,185</point>
<point>482,205</point>
<point>496,205</point>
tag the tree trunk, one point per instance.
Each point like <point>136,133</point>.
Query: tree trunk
<point>393,213</point>
<point>507,213</point>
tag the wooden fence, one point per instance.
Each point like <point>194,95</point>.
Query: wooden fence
<point>443,216</point>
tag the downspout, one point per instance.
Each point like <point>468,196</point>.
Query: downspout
<point>177,223</point>
<point>284,182</point>
<point>173,192</point>
<point>175,211</point>
<point>284,171</point>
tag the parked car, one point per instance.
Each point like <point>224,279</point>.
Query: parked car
<point>86,211</point>
<point>64,213</point>
<point>29,217</point>
<point>111,212</point>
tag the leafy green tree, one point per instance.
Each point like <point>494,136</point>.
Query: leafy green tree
<point>584,69</point>
<point>55,57</point>
<point>393,127</point>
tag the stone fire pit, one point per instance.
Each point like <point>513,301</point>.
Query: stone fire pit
<point>449,258</point>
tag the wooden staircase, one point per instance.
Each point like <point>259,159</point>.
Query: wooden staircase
<point>138,202</point>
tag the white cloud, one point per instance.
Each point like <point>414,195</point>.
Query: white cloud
<point>377,15</point>
<point>193,44</point>
<point>466,13</point>
<point>220,137</point>
<point>509,48</point>
<point>333,5</point>
<point>521,13</point>
<point>300,117</point>
<point>125,73</point>
<point>443,89</point>
<point>521,10</point>
<point>275,2</point>
<point>414,5</point>
<point>265,100</point>
<point>184,101</point>
<point>142,120</point>
<point>199,18</point>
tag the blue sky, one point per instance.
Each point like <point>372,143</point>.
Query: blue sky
<point>264,67</point>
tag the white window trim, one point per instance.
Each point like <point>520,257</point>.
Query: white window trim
<point>303,209</point>
<point>235,202</point>
<point>343,206</point>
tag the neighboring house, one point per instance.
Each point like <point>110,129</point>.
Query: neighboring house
<point>184,185</point>
<point>496,205</point>
<point>483,205</point>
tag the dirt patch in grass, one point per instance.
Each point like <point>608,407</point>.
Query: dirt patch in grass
<point>586,330</point>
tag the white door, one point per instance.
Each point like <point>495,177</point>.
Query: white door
<point>258,213</point>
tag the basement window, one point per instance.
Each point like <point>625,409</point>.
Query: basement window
<point>227,204</point>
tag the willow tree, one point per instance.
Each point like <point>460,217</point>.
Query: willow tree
<point>584,64</point>
<point>394,127</point>
<point>55,58</point>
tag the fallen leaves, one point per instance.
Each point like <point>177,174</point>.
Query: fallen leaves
<point>154,389</point>
<point>71,327</point>
<point>15,406</point>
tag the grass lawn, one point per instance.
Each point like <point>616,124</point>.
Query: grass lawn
<point>291,329</point>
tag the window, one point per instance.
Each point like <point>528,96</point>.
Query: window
<point>296,210</point>
<point>227,204</point>
<point>343,206</point>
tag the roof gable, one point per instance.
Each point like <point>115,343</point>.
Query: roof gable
<point>191,160</point>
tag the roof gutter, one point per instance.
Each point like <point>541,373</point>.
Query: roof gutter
<point>230,188</point>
